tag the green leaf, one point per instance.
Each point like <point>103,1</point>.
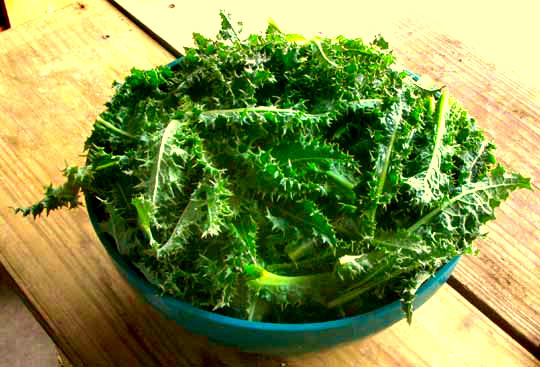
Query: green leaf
<point>64,195</point>
<point>145,217</point>
<point>205,214</point>
<point>429,185</point>
<point>392,139</point>
<point>473,204</point>
<point>124,235</point>
<point>308,218</point>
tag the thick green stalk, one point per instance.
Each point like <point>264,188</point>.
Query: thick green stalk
<point>291,288</point>
<point>368,283</point>
<point>340,180</point>
<point>268,279</point>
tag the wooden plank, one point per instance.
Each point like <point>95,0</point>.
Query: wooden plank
<point>477,24</point>
<point>436,348</point>
<point>504,277</point>
<point>20,12</point>
<point>57,74</point>
<point>62,360</point>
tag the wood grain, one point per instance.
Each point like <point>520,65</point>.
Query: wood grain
<point>20,12</point>
<point>428,351</point>
<point>56,74</point>
<point>505,276</point>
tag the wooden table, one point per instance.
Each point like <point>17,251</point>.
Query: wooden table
<point>55,76</point>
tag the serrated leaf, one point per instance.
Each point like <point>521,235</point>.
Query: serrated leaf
<point>429,185</point>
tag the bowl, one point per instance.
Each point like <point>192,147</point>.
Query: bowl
<point>264,337</point>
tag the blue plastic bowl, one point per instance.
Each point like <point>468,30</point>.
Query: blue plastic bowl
<point>264,337</point>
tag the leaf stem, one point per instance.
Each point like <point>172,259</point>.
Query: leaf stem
<point>386,165</point>
<point>111,127</point>
<point>319,46</point>
<point>361,288</point>
<point>441,129</point>
<point>478,155</point>
<point>169,131</point>
<point>106,165</point>
<point>256,109</point>
<point>298,287</point>
<point>300,251</point>
<point>340,180</point>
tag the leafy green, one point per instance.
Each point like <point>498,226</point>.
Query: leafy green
<point>284,179</point>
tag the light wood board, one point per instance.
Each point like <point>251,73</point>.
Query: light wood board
<point>20,12</point>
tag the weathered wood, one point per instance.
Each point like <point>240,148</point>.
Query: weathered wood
<point>433,349</point>
<point>56,75</point>
<point>505,276</point>
<point>20,12</point>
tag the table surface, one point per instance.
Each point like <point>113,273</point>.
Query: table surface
<point>55,76</point>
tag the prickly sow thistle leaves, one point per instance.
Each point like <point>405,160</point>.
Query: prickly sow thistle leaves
<point>284,179</point>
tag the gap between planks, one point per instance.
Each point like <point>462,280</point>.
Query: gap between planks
<point>494,316</point>
<point>166,45</point>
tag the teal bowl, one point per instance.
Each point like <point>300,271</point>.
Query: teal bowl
<point>263,337</point>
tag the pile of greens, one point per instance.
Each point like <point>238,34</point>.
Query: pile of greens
<point>283,179</point>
